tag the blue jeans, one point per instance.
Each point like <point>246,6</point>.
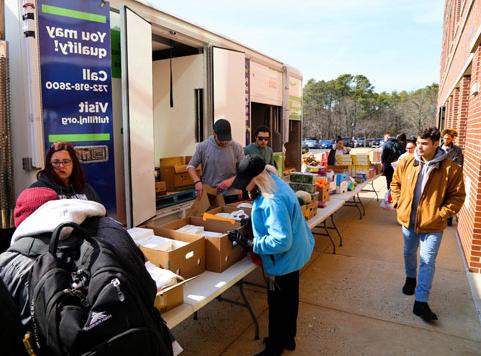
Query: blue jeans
<point>430,243</point>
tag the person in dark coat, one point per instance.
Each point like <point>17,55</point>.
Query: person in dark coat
<point>455,153</point>
<point>390,153</point>
<point>64,174</point>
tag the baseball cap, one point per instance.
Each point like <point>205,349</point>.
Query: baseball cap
<point>222,129</point>
<point>249,167</point>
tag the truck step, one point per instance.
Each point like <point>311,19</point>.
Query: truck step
<point>174,198</point>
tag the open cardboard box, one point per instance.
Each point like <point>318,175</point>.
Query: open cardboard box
<point>228,209</point>
<point>187,261</point>
<point>220,254</point>
<point>234,205</point>
<point>170,297</point>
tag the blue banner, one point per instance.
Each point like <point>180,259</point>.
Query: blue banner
<point>74,38</point>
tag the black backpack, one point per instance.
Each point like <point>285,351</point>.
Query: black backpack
<point>101,303</point>
<point>11,329</point>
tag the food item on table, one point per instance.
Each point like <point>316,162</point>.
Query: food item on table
<point>303,197</point>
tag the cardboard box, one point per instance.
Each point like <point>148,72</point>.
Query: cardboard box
<point>210,199</point>
<point>182,179</point>
<point>160,187</point>
<point>180,168</point>
<point>309,210</point>
<point>375,156</point>
<point>169,167</point>
<point>220,254</point>
<point>170,297</point>
<point>306,178</point>
<point>187,261</point>
<point>324,193</point>
<point>234,205</point>
<point>310,188</point>
<point>228,210</point>
<point>341,177</point>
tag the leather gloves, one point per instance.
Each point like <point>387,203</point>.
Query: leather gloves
<point>240,239</point>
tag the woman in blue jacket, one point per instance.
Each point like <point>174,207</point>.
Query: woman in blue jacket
<point>284,242</point>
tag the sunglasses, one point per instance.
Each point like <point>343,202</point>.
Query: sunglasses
<point>64,162</point>
<point>263,138</point>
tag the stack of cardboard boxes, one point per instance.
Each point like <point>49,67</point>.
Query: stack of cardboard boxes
<point>173,174</point>
<point>361,165</point>
<point>306,182</point>
<point>343,160</point>
<point>205,246</point>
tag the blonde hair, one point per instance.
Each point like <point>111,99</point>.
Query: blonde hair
<point>265,182</point>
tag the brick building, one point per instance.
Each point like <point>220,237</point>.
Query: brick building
<point>459,104</point>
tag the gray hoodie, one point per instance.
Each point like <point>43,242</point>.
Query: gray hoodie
<point>423,176</point>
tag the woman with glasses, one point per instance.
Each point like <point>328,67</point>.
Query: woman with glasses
<point>410,147</point>
<point>64,174</point>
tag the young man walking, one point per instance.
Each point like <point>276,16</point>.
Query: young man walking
<point>427,188</point>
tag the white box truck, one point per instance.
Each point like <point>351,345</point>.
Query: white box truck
<point>169,81</point>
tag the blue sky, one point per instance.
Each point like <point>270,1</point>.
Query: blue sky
<point>396,44</point>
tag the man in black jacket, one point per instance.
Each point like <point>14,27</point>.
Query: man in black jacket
<point>390,153</point>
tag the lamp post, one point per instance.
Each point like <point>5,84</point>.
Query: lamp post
<point>353,126</point>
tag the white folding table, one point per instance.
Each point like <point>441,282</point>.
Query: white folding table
<point>208,286</point>
<point>320,221</point>
<point>353,194</point>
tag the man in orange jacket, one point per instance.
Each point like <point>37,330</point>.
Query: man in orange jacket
<point>426,190</point>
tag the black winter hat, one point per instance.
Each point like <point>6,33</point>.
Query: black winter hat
<point>249,167</point>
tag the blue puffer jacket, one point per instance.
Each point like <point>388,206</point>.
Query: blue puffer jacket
<point>281,235</point>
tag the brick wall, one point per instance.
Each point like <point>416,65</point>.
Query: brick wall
<point>455,119</point>
<point>460,70</point>
<point>469,226</point>
<point>464,89</point>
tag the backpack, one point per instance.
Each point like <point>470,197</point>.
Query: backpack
<point>11,329</point>
<point>101,302</point>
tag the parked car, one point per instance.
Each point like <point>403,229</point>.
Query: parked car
<point>348,142</point>
<point>310,143</point>
<point>327,144</point>
<point>376,142</point>
<point>359,142</point>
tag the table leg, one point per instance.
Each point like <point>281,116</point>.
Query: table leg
<point>362,205</point>
<point>374,190</point>
<point>358,208</point>
<point>326,228</point>
<point>337,230</point>
<point>256,323</point>
<point>245,304</point>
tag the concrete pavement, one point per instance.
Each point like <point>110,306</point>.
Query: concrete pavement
<point>351,302</point>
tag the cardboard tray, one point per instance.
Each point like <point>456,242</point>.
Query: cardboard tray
<point>170,297</point>
<point>220,253</point>
<point>187,261</point>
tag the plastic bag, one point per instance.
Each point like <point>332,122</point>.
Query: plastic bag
<point>386,203</point>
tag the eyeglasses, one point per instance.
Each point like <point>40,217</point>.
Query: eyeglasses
<point>263,138</point>
<point>64,162</point>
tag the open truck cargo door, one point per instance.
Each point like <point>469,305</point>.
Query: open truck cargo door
<point>229,90</point>
<point>137,100</point>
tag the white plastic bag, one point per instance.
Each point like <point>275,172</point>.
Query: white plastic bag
<point>386,202</point>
